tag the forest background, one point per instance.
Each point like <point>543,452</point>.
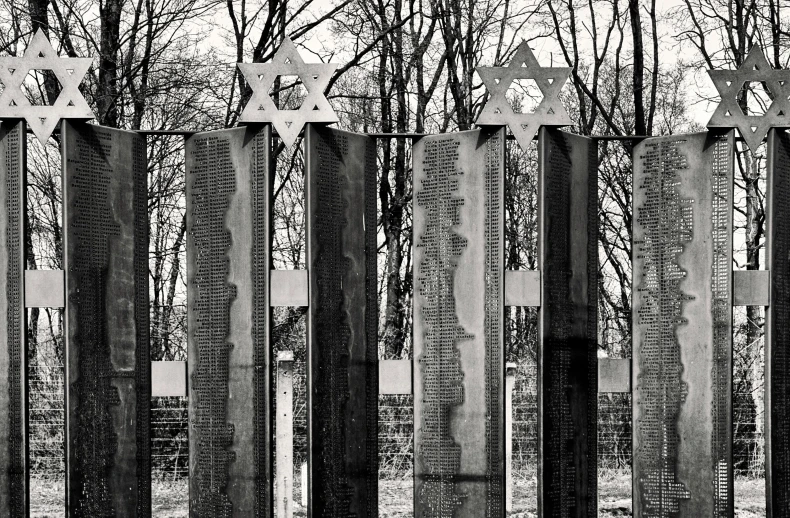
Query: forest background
<point>637,68</point>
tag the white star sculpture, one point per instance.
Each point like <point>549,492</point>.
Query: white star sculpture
<point>728,114</point>
<point>550,80</point>
<point>70,104</point>
<point>261,107</point>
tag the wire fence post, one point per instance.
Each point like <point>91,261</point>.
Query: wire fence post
<point>510,382</point>
<point>303,476</point>
<point>285,438</point>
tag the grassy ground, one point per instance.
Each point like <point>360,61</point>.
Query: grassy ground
<point>395,498</point>
<point>47,497</point>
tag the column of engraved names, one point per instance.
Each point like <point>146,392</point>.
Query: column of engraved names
<point>16,361</point>
<point>592,328</point>
<point>261,265</point>
<point>778,330</point>
<point>143,356</point>
<point>666,221</point>
<point>721,309</point>
<point>331,392</point>
<point>439,362</point>
<point>568,324</point>
<point>91,226</point>
<point>372,322</point>
<point>558,461</point>
<point>494,315</point>
<point>212,183</point>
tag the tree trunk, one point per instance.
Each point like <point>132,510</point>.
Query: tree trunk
<point>39,20</point>
<point>393,197</point>
<point>639,68</point>
<point>108,95</point>
<point>172,282</point>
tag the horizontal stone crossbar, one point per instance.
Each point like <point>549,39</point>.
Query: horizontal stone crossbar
<point>289,288</point>
<point>614,375</point>
<point>169,379</point>
<point>751,287</point>
<point>522,288</point>
<point>45,289</point>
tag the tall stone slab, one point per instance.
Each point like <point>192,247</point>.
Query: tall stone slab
<point>228,265</point>
<point>108,388</point>
<point>777,327</point>
<point>342,323</point>
<point>13,355</point>
<point>458,325</point>
<point>682,316</point>
<point>567,325</point>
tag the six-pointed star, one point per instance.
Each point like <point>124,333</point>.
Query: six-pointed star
<point>549,112</point>
<point>261,107</point>
<point>41,56</point>
<point>728,114</point>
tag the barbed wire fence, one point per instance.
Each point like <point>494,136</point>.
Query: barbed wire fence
<point>170,448</point>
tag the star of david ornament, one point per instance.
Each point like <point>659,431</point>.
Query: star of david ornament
<point>70,104</point>
<point>550,80</point>
<point>261,107</point>
<point>729,83</point>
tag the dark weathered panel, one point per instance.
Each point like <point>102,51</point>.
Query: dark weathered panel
<point>228,322</point>
<point>108,364</point>
<point>458,320</point>
<point>342,323</point>
<point>683,326</point>
<point>13,358</point>
<point>568,319</point>
<point>777,327</point>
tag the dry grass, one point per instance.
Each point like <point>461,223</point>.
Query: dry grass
<point>395,498</point>
<point>46,498</point>
<point>169,498</point>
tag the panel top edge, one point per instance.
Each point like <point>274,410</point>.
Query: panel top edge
<point>238,129</point>
<point>321,128</point>
<point>680,137</point>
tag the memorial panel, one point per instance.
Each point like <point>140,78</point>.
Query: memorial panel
<point>342,326</point>
<point>13,356</point>
<point>458,325</point>
<point>228,257</point>
<point>568,320</point>
<point>777,327</point>
<point>108,377</point>
<point>682,313</point>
